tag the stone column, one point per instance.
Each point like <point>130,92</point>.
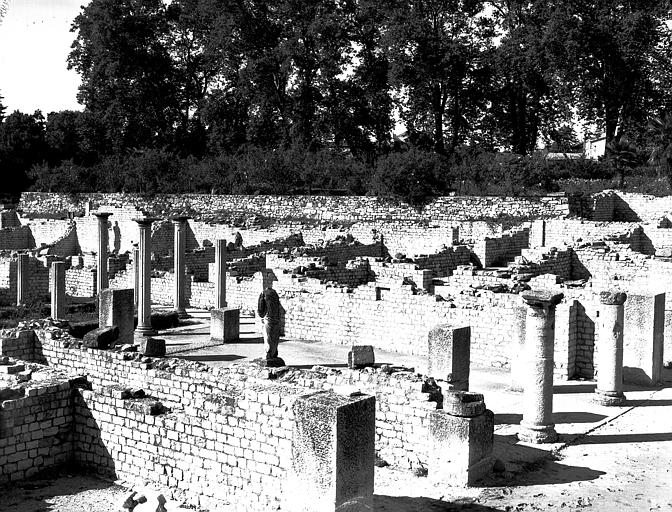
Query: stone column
<point>57,290</point>
<point>144,290</point>
<point>136,261</point>
<point>609,353</point>
<point>220,274</point>
<point>537,424</point>
<point>22,278</point>
<point>180,241</point>
<point>103,249</point>
<point>517,348</point>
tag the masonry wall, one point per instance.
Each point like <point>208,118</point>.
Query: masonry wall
<point>16,238</point>
<point>497,251</point>
<point>35,431</point>
<point>327,208</point>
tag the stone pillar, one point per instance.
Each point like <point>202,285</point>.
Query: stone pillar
<point>609,353</point>
<point>103,249</point>
<point>537,424</point>
<point>449,355</point>
<point>144,290</point>
<point>115,308</point>
<point>57,272</point>
<point>22,270</point>
<point>643,339</point>
<point>461,440</point>
<point>136,268</point>
<point>220,274</point>
<point>517,348</point>
<point>333,452</point>
<point>180,240</point>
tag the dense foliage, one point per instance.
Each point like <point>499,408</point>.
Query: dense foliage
<point>304,97</point>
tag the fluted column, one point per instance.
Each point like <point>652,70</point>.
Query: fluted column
<point>57,290</point>
<point>609,353</point>
<point>144,265</point>
<point>180,245</point>
<point>136,273</point>
<point>537,425</point>
<point>103,248</point>
<point>22,278</point>
<point>220,274</point>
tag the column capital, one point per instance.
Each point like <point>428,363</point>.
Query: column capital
<point>102,215</point>
<point>145,221</point>
<point>541,298</point>
<point>612,298</point>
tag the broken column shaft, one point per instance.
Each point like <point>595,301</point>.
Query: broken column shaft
<point>220,274</point>
<point>103,248</point>
<point>57,290</point>
<point>609,353</point>
<point>537,424</point>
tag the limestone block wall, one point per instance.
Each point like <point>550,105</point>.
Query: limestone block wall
<point>122,230</point>
<point>16,238</point>
<point>80,282</point>
<point>574,232</point>
<point>444,262</point>
<point>9,218</point>
<point>328,208</point>
<point>35,431</point>
<point>492,251</point>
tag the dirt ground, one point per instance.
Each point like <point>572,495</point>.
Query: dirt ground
<point>625,464</point>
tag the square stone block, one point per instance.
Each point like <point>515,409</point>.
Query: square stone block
<point>361,356</point>
<point>116,309</point>
<point>449,355</point>
<point>643,339</point>
<point>460,447</point>
<point>333,453</point>
<point>225,324</point>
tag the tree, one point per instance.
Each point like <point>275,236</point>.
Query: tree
<point>603,51</point>
<point>3,109</point>
<point>435,49</point>
<point>660,128</point>
<point>126,70</point>
<point>21,146</point>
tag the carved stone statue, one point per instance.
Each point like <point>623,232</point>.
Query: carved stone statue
<point>268,309</point>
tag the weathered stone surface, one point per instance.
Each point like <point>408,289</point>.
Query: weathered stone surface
<point>361,356</point>
<point>461,447</point>
<point>463,403</point>
<point>225,325</point>
<point>609,353</point>
<point>116,308</point>
<point>333,454</point>
<point>153,347</point>
<point>449,355</point>
<point>101,338</point>
<point>79,329</point>
<point>643,339</point>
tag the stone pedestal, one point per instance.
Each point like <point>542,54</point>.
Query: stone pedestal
<point>220,274</point>
<point>153,347</point>
<point>609,354</point>
<point>643,339</point>
<point>103,248</point>
<point>361,356</point>
<point>225,325</point>
<point>537,425</point>
<point>180,244</point>
<point>57,279</point>
<point>22,271</point>
<point>449,358</point>
<point>333,452</point>
<point>461,440</point>
<point>116,309</point>
<point>144,265</point>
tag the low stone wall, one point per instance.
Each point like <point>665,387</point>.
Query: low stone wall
<point>16,238</point>
<point>497,251</point>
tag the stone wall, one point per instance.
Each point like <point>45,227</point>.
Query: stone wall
<point>325,208</point>
<point>497,251</point>
<point>16,238</point>
<point>35,431</point>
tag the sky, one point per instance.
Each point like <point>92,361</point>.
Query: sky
<point>35,40</point>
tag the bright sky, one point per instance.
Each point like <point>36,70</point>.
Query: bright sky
<point>35,40</point>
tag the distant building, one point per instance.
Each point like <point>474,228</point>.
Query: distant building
<point>595,148</point>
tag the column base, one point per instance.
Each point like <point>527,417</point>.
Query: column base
<point>182,313</point>
<point>143,332</point>
<point>609,398</point>
<point>537,434</point>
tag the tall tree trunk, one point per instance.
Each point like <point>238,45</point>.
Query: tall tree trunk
<point>439,146</point>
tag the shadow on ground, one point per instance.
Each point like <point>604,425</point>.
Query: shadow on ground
<point>382,503</point>
<point>558,417</point>
<point>216,357</point>
<point>567,389</point>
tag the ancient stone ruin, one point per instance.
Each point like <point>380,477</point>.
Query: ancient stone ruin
<point>542,290</point>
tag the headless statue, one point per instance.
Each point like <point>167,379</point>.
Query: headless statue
<point>269,311</point>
